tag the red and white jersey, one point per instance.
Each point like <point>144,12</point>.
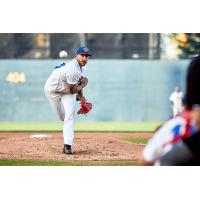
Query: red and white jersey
<point>169,134</point>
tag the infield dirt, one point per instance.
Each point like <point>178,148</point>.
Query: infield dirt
<point>88,147</point>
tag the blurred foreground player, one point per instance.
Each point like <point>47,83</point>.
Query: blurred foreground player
<point>179,128</point>
<point>187,153</point>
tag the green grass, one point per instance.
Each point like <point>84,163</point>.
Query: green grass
<point>137,140</point>
<point>30,126</point>
<point>54,163</point>
<point>81,126</point>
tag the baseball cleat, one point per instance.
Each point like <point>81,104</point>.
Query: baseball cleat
<point>67,149</point>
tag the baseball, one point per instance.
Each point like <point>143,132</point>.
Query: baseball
<point>63,54</point>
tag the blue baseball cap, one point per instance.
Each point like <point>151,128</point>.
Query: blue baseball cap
<point>83,51</point>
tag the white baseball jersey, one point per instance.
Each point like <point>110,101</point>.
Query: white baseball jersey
<point>176,98</point>
<point>59,79</point>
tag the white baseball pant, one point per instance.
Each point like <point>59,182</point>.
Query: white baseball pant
<point>64,106</point>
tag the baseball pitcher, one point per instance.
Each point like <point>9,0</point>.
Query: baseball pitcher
<point>63,87</point>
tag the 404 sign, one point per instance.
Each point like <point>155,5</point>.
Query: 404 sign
<point>16,77</point>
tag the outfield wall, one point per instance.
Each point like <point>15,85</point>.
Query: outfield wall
<point>120,90</point>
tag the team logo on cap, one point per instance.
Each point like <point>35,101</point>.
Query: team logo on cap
<point>85,49</point>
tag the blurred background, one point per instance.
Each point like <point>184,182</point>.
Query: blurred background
<point>131,75</point>
<point>104,45</point>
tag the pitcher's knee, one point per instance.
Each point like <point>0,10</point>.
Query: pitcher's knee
<point>61,117</point>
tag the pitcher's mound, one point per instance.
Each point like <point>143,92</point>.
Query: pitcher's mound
<point>87,147</point>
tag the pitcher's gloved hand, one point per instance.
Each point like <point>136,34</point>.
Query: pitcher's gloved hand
<point>85,107</point>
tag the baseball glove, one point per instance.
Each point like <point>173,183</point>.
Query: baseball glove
<point>85,107</point>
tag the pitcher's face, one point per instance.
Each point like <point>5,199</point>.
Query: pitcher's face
<point>82,59</point>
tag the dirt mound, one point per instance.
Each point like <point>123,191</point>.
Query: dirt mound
<point>87,147</point>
